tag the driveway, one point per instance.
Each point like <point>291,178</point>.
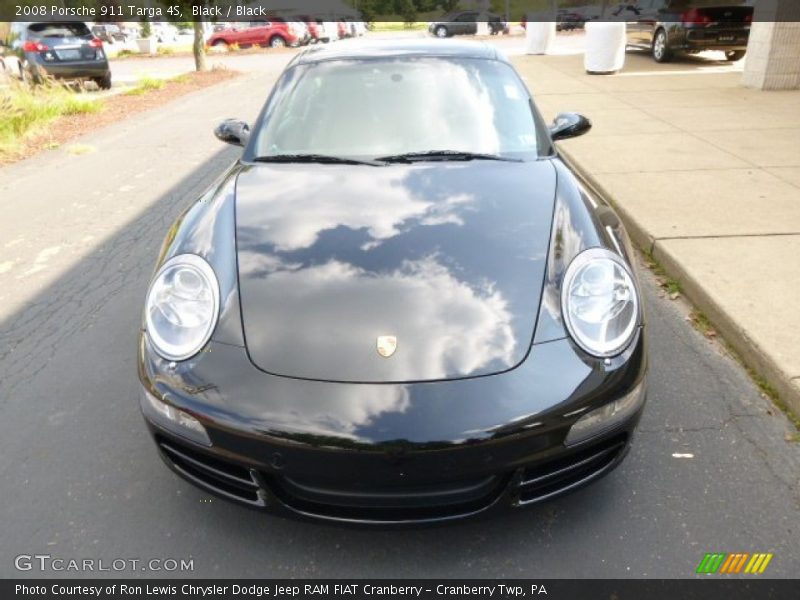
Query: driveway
<point>710,469</point>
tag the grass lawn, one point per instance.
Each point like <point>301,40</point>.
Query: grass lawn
<point>399,26</point>
<point>145,85</point>
<point>25,111</point>
<point>46,117</point>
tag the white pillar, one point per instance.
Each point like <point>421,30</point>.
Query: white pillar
<point>605,47</point>
<point>539,37</point>
<point>773,52</point>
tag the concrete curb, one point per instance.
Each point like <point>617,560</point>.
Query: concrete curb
<point>751,353</point>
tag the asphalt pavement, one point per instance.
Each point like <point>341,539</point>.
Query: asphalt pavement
<point>710,471</point>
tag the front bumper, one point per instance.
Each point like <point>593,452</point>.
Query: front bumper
<point>412,453</point>
<point>237,480</point>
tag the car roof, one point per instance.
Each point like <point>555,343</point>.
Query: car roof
<point>366,49</point>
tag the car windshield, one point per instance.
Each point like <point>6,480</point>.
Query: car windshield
<point>385,107</point>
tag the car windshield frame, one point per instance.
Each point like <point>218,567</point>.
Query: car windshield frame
<point>295,73</point>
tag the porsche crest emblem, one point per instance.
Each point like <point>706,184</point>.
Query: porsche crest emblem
<point>387,344</point>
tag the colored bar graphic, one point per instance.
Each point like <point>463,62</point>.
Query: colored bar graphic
<point>732,558</point>
<point>701,568</point>
<point>722,563</point>
<point>741,562</point>
<point>710,563</point>
<point>764,564</point>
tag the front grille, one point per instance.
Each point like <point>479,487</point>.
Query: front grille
<point>221,477</point>
<point>368,502</point>
<point>545,480</point>
<point>396,503</point>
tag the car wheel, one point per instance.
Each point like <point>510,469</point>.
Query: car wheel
<point>661,51</point>
<point>218,43</point>
<point>277,42</point>
<point>104,82</point>
<point>734,55</point>
<point>441,31</point>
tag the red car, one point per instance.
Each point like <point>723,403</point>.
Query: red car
<point>276,34</point>
<point>315,29</point>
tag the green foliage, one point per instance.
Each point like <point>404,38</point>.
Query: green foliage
<point>183,78</point>
<point>381,26</point>
<point>498,7</point>
<point>146,30</point>
<point>145,85</point>
<point>407,10</point>
<point>25,111</point>
<point>367,8</point>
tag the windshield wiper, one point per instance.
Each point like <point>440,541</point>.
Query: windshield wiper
<point>410,157</point>
<point>314,158</point>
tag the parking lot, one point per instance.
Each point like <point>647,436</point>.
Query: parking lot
<point>711,468</point>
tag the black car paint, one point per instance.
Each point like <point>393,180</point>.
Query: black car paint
<point>466,23</point>
<point>449,259</point>
<point>398,436</point>
<point>729,31</point>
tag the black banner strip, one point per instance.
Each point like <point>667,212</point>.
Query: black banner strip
<point>711,588</point>
<point>380,10</point>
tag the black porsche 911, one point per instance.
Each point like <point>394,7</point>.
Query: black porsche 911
<point>400,304</point>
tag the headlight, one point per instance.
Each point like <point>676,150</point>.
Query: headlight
<point>599,302</point>
<point>182,307</point>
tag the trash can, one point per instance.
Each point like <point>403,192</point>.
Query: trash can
<point>605,47</point>
<point>539,36</point>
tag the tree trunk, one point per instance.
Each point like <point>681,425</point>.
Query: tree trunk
<point>199,47</point>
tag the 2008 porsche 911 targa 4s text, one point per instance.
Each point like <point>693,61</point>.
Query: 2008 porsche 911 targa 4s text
<point>400,305</point>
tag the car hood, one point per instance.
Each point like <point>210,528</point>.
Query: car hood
<point>446,258</point>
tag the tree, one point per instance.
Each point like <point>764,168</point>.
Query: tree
<point>407,10</point>
<point>199,42</point>
<point>367,8</point>
<point>199,47</point>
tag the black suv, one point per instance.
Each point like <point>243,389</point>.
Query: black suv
<point>63,50</point>
<point>668,26</point>
<point>466,23</point>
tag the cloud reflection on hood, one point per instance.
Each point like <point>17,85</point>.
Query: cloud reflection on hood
<point>443,325</point>
<point>294,219</point>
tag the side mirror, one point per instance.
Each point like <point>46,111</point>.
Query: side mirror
<point>569,125</point>
<point>232,131</point>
